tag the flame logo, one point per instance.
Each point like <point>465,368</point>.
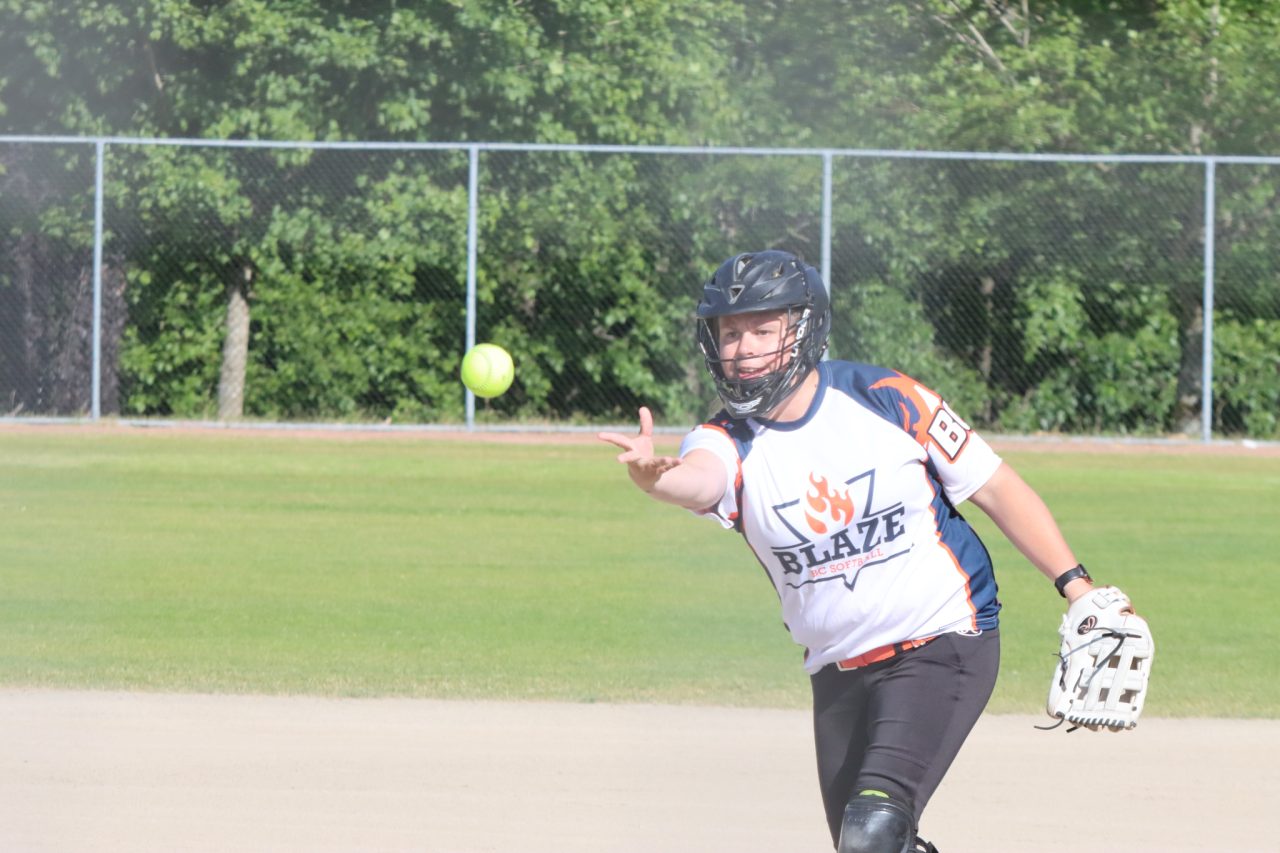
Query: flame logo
<point>917,423</point>
<point>828,503</point>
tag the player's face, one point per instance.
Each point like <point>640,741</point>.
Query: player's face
<point>752,345</point>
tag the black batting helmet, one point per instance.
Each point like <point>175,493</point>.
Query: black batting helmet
<point>765,281</point>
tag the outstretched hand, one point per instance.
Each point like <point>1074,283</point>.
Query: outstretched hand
<point>644,467</point>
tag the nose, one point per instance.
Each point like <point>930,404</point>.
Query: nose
<point>750,344</point>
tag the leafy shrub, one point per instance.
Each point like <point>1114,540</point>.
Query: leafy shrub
<point>1246,378</point>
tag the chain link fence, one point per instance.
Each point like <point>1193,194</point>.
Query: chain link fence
<point>342,283</point>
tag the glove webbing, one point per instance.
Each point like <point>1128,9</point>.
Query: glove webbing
<point>1119,637</point>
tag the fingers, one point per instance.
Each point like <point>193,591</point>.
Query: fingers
<point>628,442</point>
<point>663,464</point>
<point>630,453</point>
<point>617,438</point>
<point>637,453</point>
<point>646,421</point>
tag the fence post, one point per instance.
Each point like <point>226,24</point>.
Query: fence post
<point>96,378</point>
<point>826,231</point>
<point>1206,369</point>
<point>473,182</point>
<point>826,219</point>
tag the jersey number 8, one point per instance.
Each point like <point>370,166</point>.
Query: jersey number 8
<point>948,432</point>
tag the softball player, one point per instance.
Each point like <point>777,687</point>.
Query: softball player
<point>844,479</point>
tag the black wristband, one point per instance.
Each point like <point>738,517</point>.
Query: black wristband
<point>1068,576</point>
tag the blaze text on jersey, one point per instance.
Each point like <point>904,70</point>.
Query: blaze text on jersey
<point>831,544</point>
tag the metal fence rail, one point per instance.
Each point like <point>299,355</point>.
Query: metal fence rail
<point>1101,238</point>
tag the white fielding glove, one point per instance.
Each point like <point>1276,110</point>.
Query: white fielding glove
<point>1104,663</point>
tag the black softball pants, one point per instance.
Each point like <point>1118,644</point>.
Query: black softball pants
<point>896,726</point>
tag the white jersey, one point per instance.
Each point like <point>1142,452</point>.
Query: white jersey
<point>852,512</point>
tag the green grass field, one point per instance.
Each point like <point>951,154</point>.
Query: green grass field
<point>407,566</point>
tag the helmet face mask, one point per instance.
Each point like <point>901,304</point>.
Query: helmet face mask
<point>760,282</point>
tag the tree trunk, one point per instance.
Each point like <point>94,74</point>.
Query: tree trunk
<point>1190,387</point>
<point>235,347</point>
<point>987,289</point>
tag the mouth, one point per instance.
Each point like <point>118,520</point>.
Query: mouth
<point>746,374</point>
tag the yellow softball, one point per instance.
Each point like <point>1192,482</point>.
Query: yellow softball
<point>488,370</point>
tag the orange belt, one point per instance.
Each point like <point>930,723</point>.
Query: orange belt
<point>882,653</point>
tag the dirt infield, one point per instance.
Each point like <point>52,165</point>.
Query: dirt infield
<point>144,772</point>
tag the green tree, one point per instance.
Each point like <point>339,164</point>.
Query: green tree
<point>321,284</point>
<point>968,244</point>
<point>238,230</point>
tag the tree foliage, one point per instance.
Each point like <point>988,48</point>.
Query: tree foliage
<point>1036,295</point>
<point>991,258</point>
<point>355,270</point>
